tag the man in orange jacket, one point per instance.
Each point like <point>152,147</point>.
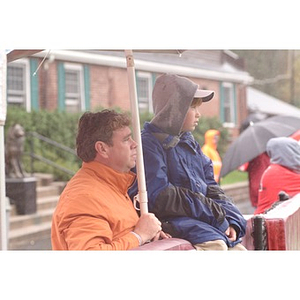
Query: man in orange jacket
<point>94,211</point>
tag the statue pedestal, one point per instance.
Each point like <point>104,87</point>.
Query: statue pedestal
<point>22,193</point>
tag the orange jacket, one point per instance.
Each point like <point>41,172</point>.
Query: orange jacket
<point>210,149</point>
<point>94,211</point>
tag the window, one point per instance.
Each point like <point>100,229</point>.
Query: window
<point>144,91</point>
<point>228,100</point>
<point>74,88</point>
<point>18,84</point>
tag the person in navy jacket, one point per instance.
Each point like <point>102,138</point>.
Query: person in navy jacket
<point>181,188</point>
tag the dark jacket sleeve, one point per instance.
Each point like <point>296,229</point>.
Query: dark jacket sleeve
<point>180,202</point>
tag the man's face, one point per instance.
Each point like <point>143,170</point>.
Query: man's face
<point>192,118</point>
<point>122,155</point>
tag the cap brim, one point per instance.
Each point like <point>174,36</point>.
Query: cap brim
<point>205,95</point>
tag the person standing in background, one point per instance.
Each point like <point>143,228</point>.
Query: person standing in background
<point>209,148</point>
<point>283,174</point>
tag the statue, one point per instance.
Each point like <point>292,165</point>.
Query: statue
<point>14,148</point>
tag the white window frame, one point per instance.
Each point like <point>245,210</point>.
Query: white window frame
<point>148,107</point>
<point>229,103</point>
<point>76,67</point>
<point>26,77</point>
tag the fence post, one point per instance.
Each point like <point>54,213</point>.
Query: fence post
<point>259,233</point>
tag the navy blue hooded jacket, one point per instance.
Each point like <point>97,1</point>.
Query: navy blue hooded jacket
<point>181,188</point>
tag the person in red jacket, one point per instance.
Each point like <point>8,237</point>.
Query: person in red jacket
<point>209,148</point>
<point>283,174</point>
<point>94,211</point>
<point>256,168</point>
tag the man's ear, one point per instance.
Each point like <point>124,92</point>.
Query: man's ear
<point>101,148</point>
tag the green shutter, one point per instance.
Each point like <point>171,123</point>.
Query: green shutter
<point>34,84</point>
<point>61,86</point>
<point>87,87</point>
<point>153,79</point>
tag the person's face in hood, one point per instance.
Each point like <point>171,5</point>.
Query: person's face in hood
<point>192,117</point>
<point>172,97</point>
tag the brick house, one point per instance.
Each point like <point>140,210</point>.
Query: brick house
<point>80,80</point>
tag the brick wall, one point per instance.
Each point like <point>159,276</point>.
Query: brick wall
<point>109,88</point>
<point>48,90</point>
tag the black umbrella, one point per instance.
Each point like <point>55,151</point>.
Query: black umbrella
<point>253,140</point>
<point>252,118</point>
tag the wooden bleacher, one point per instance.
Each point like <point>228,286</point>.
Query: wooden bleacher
<point>278,229</point>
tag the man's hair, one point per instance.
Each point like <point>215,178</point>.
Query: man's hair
<point>99,126</point>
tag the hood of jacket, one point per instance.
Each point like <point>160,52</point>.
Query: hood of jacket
<point>172,96</point>
<point>284,151</point>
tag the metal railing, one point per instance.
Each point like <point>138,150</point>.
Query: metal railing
<point>45,160</point>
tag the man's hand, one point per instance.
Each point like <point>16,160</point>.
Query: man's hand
<point>148,227</point>
<point>231,233</point>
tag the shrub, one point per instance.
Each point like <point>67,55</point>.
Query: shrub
<point>61,127</point>
<point>58,126</point>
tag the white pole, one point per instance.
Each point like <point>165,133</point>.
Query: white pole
<point>3,232</point>
<point>142,191</point>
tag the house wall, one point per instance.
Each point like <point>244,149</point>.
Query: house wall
<point>48,87</point>
<point>51,88</point>
<point>242,103</point>
<point>100,92</point>
<point>109,88</point>
<point>119,96</point>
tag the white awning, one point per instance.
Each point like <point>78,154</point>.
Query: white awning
<point>258,101</point>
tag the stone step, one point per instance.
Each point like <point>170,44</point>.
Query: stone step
<point>47,202</point>
<point>50,190</point>
<point>41,203</point>
<point>25,238</point>
<point>23,221</point>
<point>33,231</point>
<point>43,179</point>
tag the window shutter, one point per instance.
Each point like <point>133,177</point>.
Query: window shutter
<point>87,87</point>
<point>34,84</point>
<point>61,86</point>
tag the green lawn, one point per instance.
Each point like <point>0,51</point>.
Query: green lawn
<point>233,177</point>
